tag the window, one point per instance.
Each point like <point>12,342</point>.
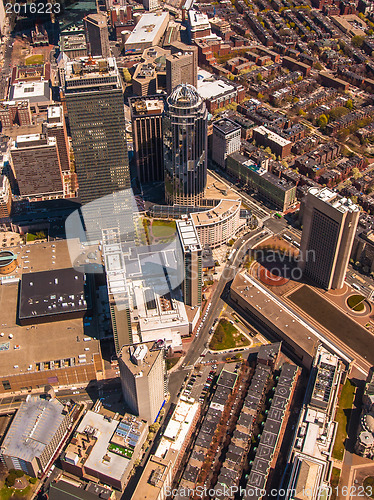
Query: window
<point>6,385</point>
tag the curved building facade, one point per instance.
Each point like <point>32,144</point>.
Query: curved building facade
<point>185,147</point>
<point>215,227</point>
<point>8,262</point>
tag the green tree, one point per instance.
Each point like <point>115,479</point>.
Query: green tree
<point>126,75</point>
<point>259,77</point>
<point>358,40</point>
<point>322,121</point>
<point>356,174</point>
<point>349,104</point>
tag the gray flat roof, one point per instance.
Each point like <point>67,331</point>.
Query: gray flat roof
<point>33,427</point>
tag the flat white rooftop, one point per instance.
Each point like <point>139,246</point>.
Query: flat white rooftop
<point>272,135</point>
<point>117,465</point>
<point>188,234</point>
<point>147,28</point>
<point>208,87</point>
<point>31,91</point>
<point>328,196</point>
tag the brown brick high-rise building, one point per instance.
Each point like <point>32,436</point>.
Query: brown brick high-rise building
<point>96,26</point>
<point>15,113</point>
<point>56,127</point>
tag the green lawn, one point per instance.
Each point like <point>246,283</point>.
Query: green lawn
<point>6,493</point>
<point>35,59</point>
<point>355,302</point>
<point>170,362</point>
<point>342,417</point>
<point>227,336</point>
<point>120,450</point>
<point>163,228</point>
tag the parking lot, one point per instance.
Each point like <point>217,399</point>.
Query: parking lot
<point>199,384</point>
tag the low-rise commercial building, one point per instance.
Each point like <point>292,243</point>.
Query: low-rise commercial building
<point>178,432</point>
<point>218,93</point>
<point>156,479</point>
<point>277,191</point>
<point>310,457</point>
<point>35,435</point>
<point>104,448</point>
<point>37,93</point>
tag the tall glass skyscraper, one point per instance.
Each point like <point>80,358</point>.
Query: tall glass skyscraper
<point>185,147</point>
<point>94,101</point>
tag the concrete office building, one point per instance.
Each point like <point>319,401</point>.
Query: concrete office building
<point>192,268</point>
<point>56,127</point>
<point>146,118</point>
<point>143,379</point>
<point>35,434</point>
<point>73,45</point>
<point>279,192</point>
<point>95,107</point>
<point>36,166</point>
<point>177,47</point>
<point>96,27</point>
<point>329,226</point>
<point>144,297</point>
<point>105,448</point>
<point>226,140</point>
<point>198,25</point>
<point>185,147</point>
<point>150,74</point>
<point>180,68</point>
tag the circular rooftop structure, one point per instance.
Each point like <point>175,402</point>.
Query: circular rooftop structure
<point>8,262</point>
<point>185,96</point>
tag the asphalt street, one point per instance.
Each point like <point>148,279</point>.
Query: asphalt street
<point>200,343</point>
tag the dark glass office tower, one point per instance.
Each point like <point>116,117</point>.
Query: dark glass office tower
<point>146,118</point>
<point>185,146</point>
<point>95,106</point>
